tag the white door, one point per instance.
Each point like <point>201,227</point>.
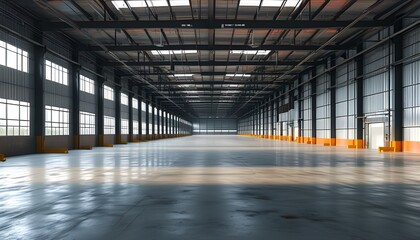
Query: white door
<point>284,128</point>
<point>376,135</point>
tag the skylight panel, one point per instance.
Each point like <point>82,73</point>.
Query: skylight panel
<point>119,4</point>
<point>292,3</point>
<point>250,52</point>
<point>157,3</point>
<point>151,3</point>
<point>238,75</point>
<point>269,3</point>
<point>136,4</point>
<point>168,52</point>
<point>183,75</point>
<point>250,3</point>
<point>272,3</point>
<point>175,3</point>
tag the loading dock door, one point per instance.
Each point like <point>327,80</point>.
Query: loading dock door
<point>376,135</point>
<point>284,128</point>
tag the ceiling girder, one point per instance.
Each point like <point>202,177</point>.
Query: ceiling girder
<point>202,73</point>
<point>208,63</point>
<point>215,24</point>
<point>136,48</point>
<point>217,83</point>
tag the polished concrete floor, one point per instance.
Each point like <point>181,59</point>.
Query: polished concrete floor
<point>211,187</point>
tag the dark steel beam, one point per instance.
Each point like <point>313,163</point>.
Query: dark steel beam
<point>215,95</point>
<point>202,73</point>
<point>215,83</point>
<point>215,24</point>
<point>136,48</point>
<point>208,63</point>
<point>255,88</point>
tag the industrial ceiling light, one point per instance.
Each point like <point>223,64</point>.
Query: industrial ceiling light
<point>185,85</point>
<point>230,91</point>
<point>183,75</point>
<point>250,52</point>
<point>238,75</point>
<point>169,52</point>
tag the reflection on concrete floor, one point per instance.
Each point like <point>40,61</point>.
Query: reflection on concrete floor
<point>211,187</point>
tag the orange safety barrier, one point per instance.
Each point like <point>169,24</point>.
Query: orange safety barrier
<point>386,149</point>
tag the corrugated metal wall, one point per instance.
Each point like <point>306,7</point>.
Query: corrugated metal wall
<point>345,101</point>
<point>17,85</point>
<point>411,83</point>
<point>323,122</point>
<point>307,106</point>
<point>210,126</point>
<point>377,77</point>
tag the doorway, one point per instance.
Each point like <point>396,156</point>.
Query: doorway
<point>375,135</point>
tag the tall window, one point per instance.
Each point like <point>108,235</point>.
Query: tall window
<point>124,126</point>
<point>56,121</point>
<point>124,99</point>
<point>56,73</point>
<point>143,127</point>
<point>135,127</point>
<point>135,103</point>
<point>14,118</point>
<point>143,106</point>
<point>13,57</point>
<point>87,85</point>
<point>108,93</point>
<point>87,123</point>
<point>109,125</point>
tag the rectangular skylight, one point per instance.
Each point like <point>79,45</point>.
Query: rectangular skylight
<point>250,3</point>
<point>151,3</point>
<point>183,75</point>
<point>250,52</point>
<point>272,3</point>
<point>175,3</point>
<point>269,3</point>
<point>238,75</point>
<point>168,52</point>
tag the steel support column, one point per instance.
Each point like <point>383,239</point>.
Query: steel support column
<point>76,104</point>
<point>397,115</point>
<point>130,117</point>
<point>100,116</point>
<point>39,108</point>
<point>300,110</point>
<point>117,97</point>
<point>272,117</point>
<point>333,75</point>
<point>313,106</point>
<point>147,101</point>
<point>359,99</point>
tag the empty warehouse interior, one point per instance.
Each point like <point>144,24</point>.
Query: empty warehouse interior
<point>213,119</point>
